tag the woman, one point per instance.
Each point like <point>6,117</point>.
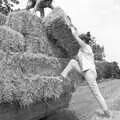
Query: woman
<point>84,64</point>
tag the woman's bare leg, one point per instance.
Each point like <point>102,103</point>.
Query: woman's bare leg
<point>73,64</point>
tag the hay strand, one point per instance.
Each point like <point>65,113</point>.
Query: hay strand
<point>2,19</point>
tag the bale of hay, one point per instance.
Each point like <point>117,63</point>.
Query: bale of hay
<point>32,29</point>
<point>58,51</point>
<point>25,23</point>
<point>16,83</point>
<point>41,64</point>
<point>28,95</point>
<point>31,97</point>
<point>32,64</point>
<point>11,40</point>
<point>27,90</point>
<point>56,24</point>
<point>2,19</point>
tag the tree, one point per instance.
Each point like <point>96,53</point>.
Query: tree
<point>98,52</point>
<point>6,6</point>
<point>107,69</point>
<point>115,70</point>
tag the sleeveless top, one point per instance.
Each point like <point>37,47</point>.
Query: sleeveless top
<point>85,58</point>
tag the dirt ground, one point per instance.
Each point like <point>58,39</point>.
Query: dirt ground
<point>83,104</point>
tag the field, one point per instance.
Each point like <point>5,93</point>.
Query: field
<point>83,103</point>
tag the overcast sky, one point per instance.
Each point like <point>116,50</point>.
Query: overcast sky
<point>100,17</point>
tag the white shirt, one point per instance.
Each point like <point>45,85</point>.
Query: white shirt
<point>86,58</point>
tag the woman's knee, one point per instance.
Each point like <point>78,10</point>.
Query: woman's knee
<point>75,65</point>
<point>73,62</point>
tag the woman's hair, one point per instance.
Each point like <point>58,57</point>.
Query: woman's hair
<point>86,41</point>
<point>86,37</point>
<point>69,18</point>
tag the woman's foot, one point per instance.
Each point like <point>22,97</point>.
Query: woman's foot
<point>105,114</point>
<point>61,78</point>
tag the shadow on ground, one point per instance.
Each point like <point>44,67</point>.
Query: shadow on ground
<point>63,115</point>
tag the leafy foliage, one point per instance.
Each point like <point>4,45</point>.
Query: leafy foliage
<point>107,70</point>
<point>6,6</point>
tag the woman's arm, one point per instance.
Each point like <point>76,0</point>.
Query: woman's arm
<point>36,5</point>
<point>76,36</point>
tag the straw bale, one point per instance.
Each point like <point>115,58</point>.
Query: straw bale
<point>56,24</point>
<point>43,65</point>
<point>29,89</point>
<point>38,64</point>
<point>24,95</point>
<point>35,44</point>
<point>57,50</point>
<point>11,40</point>
<point>16,21</point>
<point>32,29</point>
<point>24,22</point>
<point>34,111</point>
<point>2,19</point>
<point>35,34</point>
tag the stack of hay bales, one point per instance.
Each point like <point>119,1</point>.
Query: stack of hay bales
<point>28,97</point>
<point>31,27</point>
<point>34,64</point>
<point>27,89</point>
<point>57,27</point>
<point>11,40</point>
<point>30,77</point>
<point>2,19</point>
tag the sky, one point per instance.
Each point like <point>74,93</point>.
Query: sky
<point>100,17</point>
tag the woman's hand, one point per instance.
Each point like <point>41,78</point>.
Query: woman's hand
<point>74,31</point>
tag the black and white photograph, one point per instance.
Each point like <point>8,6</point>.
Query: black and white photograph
<point>59,60</point>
